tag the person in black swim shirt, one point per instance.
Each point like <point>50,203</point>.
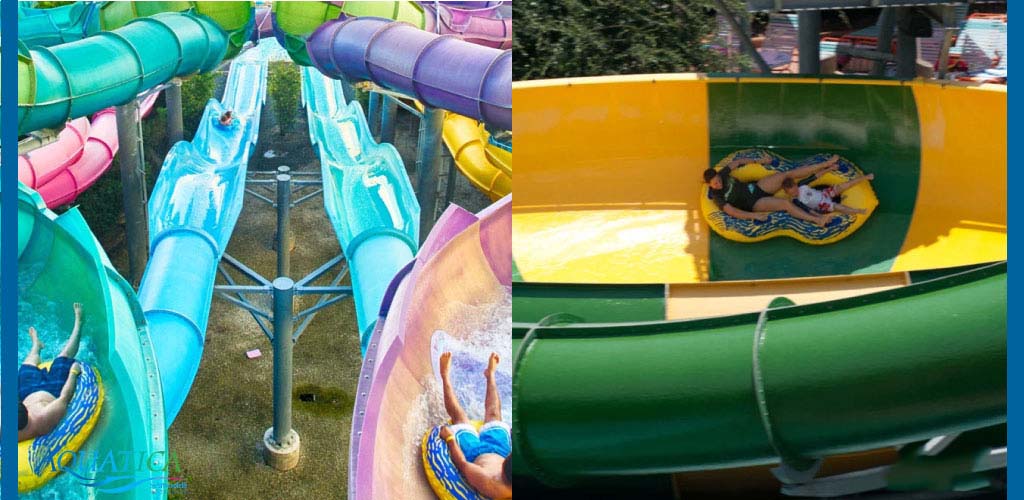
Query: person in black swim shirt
<point>753,200</point>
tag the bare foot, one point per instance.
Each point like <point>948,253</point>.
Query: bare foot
<point>870,177</point>
<point>446,364</point>
<point>492,365</point>
<point>824,220</point>
<point>861,211</point>
<point>35,337</point>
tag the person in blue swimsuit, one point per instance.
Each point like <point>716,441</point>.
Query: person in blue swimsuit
<point>482,458</point>
<point>44,393</point>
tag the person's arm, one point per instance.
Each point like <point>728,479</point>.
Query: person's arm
<point>68,391</point>
<point>743,214</point>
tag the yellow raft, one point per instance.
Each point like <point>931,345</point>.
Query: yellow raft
<point>442,475</point>
<point>781,223</point>
<point>37,458</point>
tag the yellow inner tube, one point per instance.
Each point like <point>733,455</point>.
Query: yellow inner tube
<point>444,478</point>
<point>780,223</point>
<point>37,458</point>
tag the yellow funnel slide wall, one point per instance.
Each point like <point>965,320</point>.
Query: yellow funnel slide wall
<point>610,167</point>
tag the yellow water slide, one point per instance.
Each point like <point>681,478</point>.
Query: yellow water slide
<point>610,175</point>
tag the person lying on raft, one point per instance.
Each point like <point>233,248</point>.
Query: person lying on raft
<point>825,200</point>
<point>44,394</point>
<point>752,200</point>
<point>226,119</point>
<point>483,459</point>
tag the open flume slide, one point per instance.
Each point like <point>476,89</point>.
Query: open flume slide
<point>618,278</point>
<point>192,212</point>
<point>455,296</point>
<point>52,248</point>
<point>84,150</point>
<point>367,195</point>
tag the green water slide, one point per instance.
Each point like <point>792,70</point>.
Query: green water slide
<point>791,384</point>
<point>295,21</point>
<point>112,67</point>
<point>50,249</point>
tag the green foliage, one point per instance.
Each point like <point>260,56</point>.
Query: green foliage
<point>195,91</point>
<point>50,5</point>
<point>283,85</point>
<point>605,37</point>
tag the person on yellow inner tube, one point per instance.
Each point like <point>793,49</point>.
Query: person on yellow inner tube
<point>44,393</point>
<point>752,200</point>
<point>825,200</point>
<point>483,459</point>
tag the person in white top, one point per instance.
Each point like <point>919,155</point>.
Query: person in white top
<point>827,199</point>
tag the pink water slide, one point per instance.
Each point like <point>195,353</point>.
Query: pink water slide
<point>458,288</point>
<point>64,169</point>
<point>482,23</point>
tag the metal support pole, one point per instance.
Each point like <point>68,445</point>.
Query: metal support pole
<point>886,23</point>
<point>284,232</point>
<point>949,28</point>
<point>428,163</point>
<point>348,90</point>
<point>906,46</point>
<point>175,127</point>
<point>133,189</point>
<point>748,46</point>
<point>281,442</point>
<point>373,115</point>
<point>387,120</point>
<point>810,30</point>
<point>449,191</point>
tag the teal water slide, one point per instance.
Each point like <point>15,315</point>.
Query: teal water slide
<point>367,195</point>
<point>147,347</point>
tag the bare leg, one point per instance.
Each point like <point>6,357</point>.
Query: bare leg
<point>71,346</point>
<point>773,183</point>
<point>853,182</point>
<point>492,402</point>
<point>33,355</point>
<point>772,204</point>
<point>839,207</point>
<point>451,401</point>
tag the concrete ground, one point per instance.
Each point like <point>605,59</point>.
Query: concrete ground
<point>217,435</point>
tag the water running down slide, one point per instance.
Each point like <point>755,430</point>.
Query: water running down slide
<point>51,248</point>
<point>456,293</point>
<point>367,195</point>
<point>192,212</point>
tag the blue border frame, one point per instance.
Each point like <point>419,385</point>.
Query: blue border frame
<point>8,246</point>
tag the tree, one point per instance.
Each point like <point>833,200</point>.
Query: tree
<point>605,37</point>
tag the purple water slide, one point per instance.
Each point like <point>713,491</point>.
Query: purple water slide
<point>481,24</point>
<point>441,71</point>
<point>461,274</point>
<point>264,24</point>
<point>63,170</point>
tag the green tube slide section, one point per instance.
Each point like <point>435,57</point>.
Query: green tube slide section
<point>295,21</point>
<point>115,338</point>
<point>792,383</point>
<point>72,22</point>
<point>112,67</point>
